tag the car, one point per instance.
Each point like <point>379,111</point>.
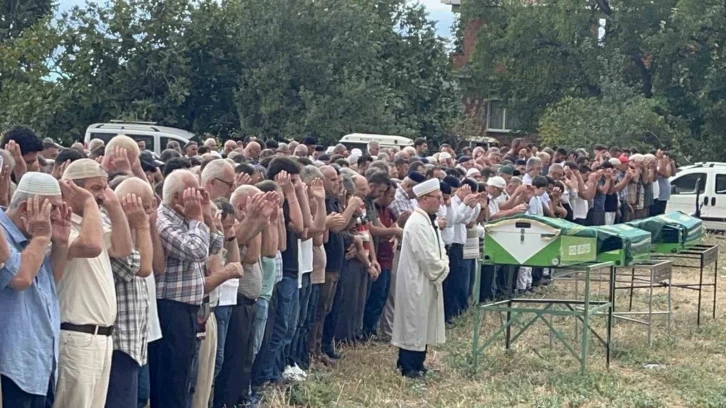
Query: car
<point>702,185</point>
<point>361,140</point>
<point>156,137</point>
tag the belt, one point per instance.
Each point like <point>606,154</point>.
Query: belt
<point>244,300</point>
<point>249,301</point>
<point>88,328</point>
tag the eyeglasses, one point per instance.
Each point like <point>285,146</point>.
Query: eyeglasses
<point>227,183</point>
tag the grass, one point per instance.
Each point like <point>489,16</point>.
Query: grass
<point>692,360</point>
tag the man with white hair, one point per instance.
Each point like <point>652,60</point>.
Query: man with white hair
<point>341,150</point>
<point>30,319</point>
<point>95,144</point>
<point>130,275</point>
<point>229,146</point>
<point>184,222</point>
<point>211,143</point>
<point>373,148</point>
<point>301,151</point>
<point>252,152</point>
<point>86,292</point>
<point>218,179</point>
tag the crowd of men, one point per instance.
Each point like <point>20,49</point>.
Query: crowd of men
<point>202,276</point>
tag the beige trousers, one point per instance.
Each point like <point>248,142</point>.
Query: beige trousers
<point>386,324</point>
<point>84,366</point>
<point>207,357</point>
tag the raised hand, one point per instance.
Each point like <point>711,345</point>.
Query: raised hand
<point>206,202</point>
<point>463,191</point>
<point>242,179</point>
<point>151,213</point>
<point>5,185</point>
<point>36,219</point>
<point>355,201</point>
<point>283,180</point>
<point>20,166</point>
<point>62,226</point>
<point>58,171</point>
<point>109,197</point>
<point>317,190</point>
<point>441,223</point>
<point>520,208</point>
<point>192,207</point>
<point>120,160</point>
<point>73,195</point>
<point>134,209</point>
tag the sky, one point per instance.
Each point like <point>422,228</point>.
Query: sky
<point>441,13</point>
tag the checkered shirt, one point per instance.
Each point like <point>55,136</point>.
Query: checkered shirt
<point>187,245</point>
<point>278,266</point>
<point>401,203</point>
<point>132,299</point>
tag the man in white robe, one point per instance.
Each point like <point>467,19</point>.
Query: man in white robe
<point>419,314</point>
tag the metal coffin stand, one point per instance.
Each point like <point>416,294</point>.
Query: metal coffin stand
<point>705,255</point>
<point>581,310</point>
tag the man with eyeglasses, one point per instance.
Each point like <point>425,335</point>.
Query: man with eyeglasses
<point>419,314</point>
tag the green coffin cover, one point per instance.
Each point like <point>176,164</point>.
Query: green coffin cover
<point>673,228</point>
<point>550,242</point>
<point>633,242</point>
<point>565,227</point>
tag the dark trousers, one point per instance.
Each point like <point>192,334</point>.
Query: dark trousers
<point>470,266</point>
<point>14,397</point>
<point>658,207</point>
<point>123,383</point>
<point>331,320</point>
<point>222,314</point>
<point>354,284</point>
<point>537,274</point>
<point>376,300</point>
<point>409,361</point>
<point>486,285</point>
<point>295,355</point>
<point>233,383</point>
<point>302,350</point>
<point>506,276</point>
<point>454,282</point>
<point>271,359</point>
<point>171,357</point>
<point>325,304</point>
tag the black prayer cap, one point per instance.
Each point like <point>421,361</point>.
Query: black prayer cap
<point>417,177</point>
<point>452,181</point>
<point>445,188</point>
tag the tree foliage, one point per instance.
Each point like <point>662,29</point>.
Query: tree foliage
<point>560,55</point>
<point>278,68</point>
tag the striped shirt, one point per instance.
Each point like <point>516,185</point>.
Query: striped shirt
<point>132,299</point>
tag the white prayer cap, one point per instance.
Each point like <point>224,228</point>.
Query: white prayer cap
<point>615,162</point>
<point>432,160</point>
<point>497,182</point>
<point>329,150</point>
<point>83,169</point>
<point>428,186</point>
<point>356,152</point>
<point>472,172</point>
<point>444,155</point>
<point>36,183</point>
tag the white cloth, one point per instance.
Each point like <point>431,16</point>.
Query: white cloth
<point>228,292</point>
<point>419,313</point>
<point>579,206</point>
<point>154,327</point>
<point>84,369</point>
<point>304,259</point>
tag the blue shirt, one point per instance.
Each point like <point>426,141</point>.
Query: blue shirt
<point>29,320</point>
<point>664,188</point>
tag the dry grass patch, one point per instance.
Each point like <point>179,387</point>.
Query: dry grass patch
<point>531,374</point>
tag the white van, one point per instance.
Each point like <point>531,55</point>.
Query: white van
<point>155,136</point>
<point>360,141</point>
<point>711,180</point>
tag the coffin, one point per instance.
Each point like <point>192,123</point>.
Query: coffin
<point>671,233</point>
<point>538,241</point>
<point>622,244</point>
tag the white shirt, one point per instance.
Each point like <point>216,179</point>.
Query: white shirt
<point>457,216</point>
<point>536,206</point>
<point>227,293</point>
<point>154,327</point>
<point>579,206</point>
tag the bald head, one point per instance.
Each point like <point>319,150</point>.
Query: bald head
<point>361,185</point>
<point>252,151</point>
<point>175,184</point>
<point>142,189</point>
<point>239,199</point>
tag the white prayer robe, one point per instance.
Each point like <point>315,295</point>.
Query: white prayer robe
<point>423,265</point>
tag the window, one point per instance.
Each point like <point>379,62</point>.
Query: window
<point>103,136</point>
<point>687,184</point>
<point>499,119</point>
<point>146,138</point>
<point>721,184</point>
